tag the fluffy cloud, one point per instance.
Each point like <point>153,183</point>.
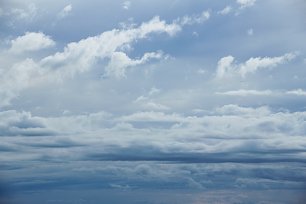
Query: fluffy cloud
<point>31,41</point>
<point>119,62</point>
<point>227,66</point>
<point>66,11</point>
<point>19,76</point>
<point>77,57</point>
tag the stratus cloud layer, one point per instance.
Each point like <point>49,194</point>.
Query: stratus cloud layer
<point>222,135</point>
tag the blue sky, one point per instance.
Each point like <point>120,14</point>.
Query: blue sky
<point>153,101</point>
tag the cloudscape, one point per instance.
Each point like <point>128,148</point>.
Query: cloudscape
<point>152,101</point>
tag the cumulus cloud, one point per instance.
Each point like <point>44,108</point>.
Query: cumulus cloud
<point>77,57</point>
<point>119,62</point>
<point>80,56</point>
<point>245,3</point>
<point>227,66</point>
<point>18,77</point>
<point>65,12</point>
<point>31,41</point>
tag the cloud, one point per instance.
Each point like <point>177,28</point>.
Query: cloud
<point>243,92</point>
<point>194,19</point>
<point>227,66</point>
<point>77,57</point>
<point>65,12</point>
<point>31,41</point>
<point>250,92</point>
<point>232,109</point>
<point>147,101</point>
<point>119,62</point>
<point>126,5</point>
<point>26,13</point>
<point>225,11</point>
<point>15,123</point>
<point>245,3</point>
<point>20,76</point>
<point>298,92</point>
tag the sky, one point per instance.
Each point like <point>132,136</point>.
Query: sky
<point>152,101</point>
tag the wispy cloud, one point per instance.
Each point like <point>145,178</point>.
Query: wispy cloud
<point>228,67</point>
<point>225,11</point>
<point>126,5</point>
<point>65,11</point>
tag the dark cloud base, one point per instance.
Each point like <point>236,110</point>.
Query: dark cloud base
<point>157,196</point>
<point>153,182</point>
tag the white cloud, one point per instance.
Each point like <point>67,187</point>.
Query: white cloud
<point>66,11</point>
<point>232,109</point>
<point>227,67</point>
<point>126,5</point>
<point>245,3</point>
<point>194,19</point>
<point>249,92</point>
<point>119,62</point>
<point>154,91</point>
<point>31,41</point>
<point>18,77</point>
<point>152,116</point>
<point>298,92</point>
<point>78,57</point>
<point>225,11</point>
<point>24,14</point>
<point>253,64</point>
<point>147,101</point>
<point>243,92</point>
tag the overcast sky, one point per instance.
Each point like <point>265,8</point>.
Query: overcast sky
<point>153,101</point>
